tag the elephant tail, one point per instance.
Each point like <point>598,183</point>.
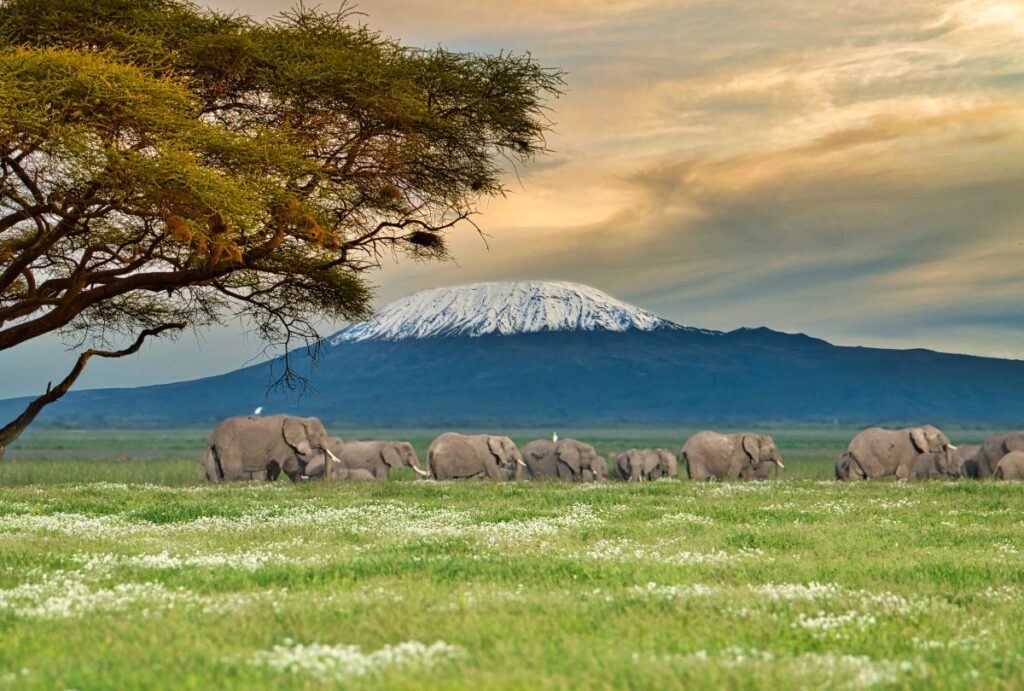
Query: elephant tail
<point>853,466</point>
<point>212,465</point>
<point>686,462</point>
<point>431,463</point>
<point>998,473</point>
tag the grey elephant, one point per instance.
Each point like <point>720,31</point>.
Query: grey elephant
<point>261,448</point>
<point>322,467</point>
<point>641,465</point>
<point>566,459</point>
<point>375,457</point>
<point>935,466</point>
<point>847,469</point>
<point>339,473</point>
<point>744,456</point>
<point>993,450</point>
<point>454,456</point>
<point>878,452</point>
<point>598,470</point>
<point>1010,467</point>
<point>967,459</point>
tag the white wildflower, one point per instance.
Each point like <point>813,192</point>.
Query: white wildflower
<point>332,663</point>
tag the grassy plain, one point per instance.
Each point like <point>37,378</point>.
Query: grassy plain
<point>119,569</point>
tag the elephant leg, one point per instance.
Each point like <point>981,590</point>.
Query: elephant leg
<point>214,466</point>
<point>273,471</point>
<point>857,468</point>
<point>904,468</point>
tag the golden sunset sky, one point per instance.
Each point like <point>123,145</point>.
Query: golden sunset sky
<point>852,170</point>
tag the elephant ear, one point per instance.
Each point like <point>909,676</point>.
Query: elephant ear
<point>1014,442</point>
<point>568,455</point>
<point>918,439</point>
<point>752,446</point>
<point>497,448</point>
<point>296,436</point>
<point>391,456</point>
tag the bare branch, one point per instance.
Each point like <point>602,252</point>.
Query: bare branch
<point>10,433</point>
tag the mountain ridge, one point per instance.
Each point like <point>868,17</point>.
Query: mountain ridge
<point>627,368</point>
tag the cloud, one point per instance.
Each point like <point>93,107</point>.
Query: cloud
<point>851,170</point>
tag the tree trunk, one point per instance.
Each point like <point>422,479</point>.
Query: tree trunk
<point>10,432</point>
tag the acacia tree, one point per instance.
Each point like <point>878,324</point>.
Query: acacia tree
<point>163,165</point>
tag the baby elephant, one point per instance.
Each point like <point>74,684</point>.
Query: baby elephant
<point>640,465</point>
<point>943,465</point>
<point>567,459</point>
<point>338,472</point>
<point>1011,466</point>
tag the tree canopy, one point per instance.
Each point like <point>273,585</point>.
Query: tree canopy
<point>162,164</point>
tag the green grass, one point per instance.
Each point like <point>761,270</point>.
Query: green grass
<point>129,573</point>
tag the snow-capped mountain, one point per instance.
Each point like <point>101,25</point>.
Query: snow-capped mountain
<point>504,308</point>
<point>494,356</point>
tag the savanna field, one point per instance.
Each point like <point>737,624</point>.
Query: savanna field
<point>120,568</point>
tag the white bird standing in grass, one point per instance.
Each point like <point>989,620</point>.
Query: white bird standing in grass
<point>258,411</point>
<point>554,437</point>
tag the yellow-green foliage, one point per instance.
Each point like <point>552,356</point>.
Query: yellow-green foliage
<point>195,165</point>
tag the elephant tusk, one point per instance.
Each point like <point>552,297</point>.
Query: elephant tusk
<point>520,463</point>
<point>951,447</point>
<point>332,456</point>
<point>779,463</point>
<point>421,472</point>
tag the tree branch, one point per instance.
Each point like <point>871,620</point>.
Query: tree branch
<point>10,433</point>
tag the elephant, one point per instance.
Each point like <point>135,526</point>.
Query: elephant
<point>260,448</point>
<point>339,473</point>
<point>539,457</point>
<point>1010,467</point>
<point>566,459</point>
<point>994,448</point>
<point>639,465</point>
<point>745,456</point>
<point>844,467</point>
<point>878,452</point>
<point>967,459</point>
<point>935,466</point>
<point>375,457</point>
<point>454,456</point>
<point>598,470</point>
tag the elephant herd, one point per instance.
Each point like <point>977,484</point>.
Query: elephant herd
<point>925,453</point>
<point>261,448</point>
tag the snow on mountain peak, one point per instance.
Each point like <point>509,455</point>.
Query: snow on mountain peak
<point>501,308</point>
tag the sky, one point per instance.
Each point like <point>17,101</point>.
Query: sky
<point>850,170</point>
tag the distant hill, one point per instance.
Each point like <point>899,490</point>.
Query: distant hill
<point>540,353</point>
